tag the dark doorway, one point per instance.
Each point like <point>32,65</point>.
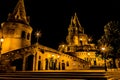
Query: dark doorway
<point>59,66</point>
<point>51,64</point>
<point>63,66</point>
<point>29,63</point>
<point>46,65</point>
<point>18,63</point>
<point>55,64</point>
<point>94,62</point>
<point>39,65</point>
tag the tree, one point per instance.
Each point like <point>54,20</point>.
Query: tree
<point>111,39</point>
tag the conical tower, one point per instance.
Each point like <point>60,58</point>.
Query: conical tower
<point>16,30</point>
<point>74,30</point>
<point>19,14</point>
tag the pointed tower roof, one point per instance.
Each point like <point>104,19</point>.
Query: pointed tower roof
<point>75,23</point>
<point>19,13</point>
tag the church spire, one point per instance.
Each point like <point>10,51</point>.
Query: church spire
<point>19,13</point>
<point>76,24</point>
<point>74,30</point>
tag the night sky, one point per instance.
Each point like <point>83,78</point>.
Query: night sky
<point>53,17</point>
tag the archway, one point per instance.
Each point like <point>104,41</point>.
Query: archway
<point>18,63</point>
<point>29,63</point>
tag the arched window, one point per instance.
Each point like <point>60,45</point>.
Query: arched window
<point>23,35</point>
<point>67,63</point>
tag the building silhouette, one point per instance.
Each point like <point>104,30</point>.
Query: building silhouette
<point>17,51</point>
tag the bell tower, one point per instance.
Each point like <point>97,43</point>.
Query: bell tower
<point>74,30</point>
<point>16,30</point>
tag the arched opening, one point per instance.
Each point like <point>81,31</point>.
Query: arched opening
<point>51,64</point>
<point>18,63</point>
<point>94,62</point>
<point>39,65</point>
<point>28,36</point>
<point>29,63</point>
<point>63,65</point>
<point>23,35</point>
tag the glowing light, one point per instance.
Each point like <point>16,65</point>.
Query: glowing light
<point>1,40</point>
<point>38,34</point>
<point>63,45</point>
<point>89,39</point>
<point>103,48</point>
<point>81,39</point>
<point>88,53</point>
<point>58,56</point>
<point>53,55</point>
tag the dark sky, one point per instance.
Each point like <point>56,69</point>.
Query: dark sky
<point>52,17</point>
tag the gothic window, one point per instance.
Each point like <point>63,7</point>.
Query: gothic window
<point>23,35</point>
<point>28,36</point>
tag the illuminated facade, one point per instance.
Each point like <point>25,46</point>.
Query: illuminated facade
<point>16,30</point>
<point>79,44</point>
<point>18,52</point>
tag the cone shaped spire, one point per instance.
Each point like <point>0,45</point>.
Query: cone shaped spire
<point>76,24</point>
<point>19,13</point>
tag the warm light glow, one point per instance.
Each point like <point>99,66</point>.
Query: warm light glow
<point>38,34</point>
<point>1,40</point>
<point>88,53</point>
<point>81,39</point>
<point>103,48</point>
<point>63,45</point>
<point>89,39</point>
<point>52,55</point>
<point>58,56</point>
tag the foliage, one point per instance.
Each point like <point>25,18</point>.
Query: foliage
<point>111,39</point>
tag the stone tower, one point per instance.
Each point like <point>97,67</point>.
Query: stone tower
<point>74,30</point>
<point>16,31</point>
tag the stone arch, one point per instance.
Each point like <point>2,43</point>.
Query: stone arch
<point>29,63</point>
<point>18,63</point>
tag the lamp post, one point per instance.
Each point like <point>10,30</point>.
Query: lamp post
<point>104,50</point>
<point>38,35</point>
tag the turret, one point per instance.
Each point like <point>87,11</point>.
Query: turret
<point>16,30</point>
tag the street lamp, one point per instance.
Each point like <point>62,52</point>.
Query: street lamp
<point>38,35</point>
<point>104,50</point>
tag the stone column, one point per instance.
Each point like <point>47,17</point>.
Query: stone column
<point>36,60</point>
<point>43,62</point>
